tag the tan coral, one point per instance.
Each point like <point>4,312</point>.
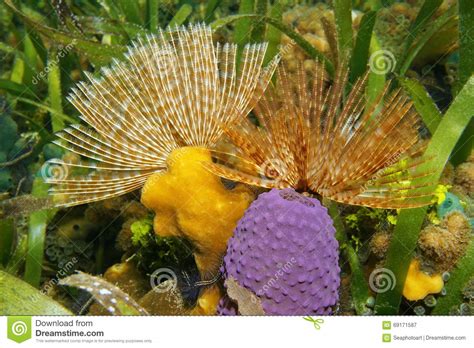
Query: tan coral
<point>447,176</point>
<point>465,177</point>
<point>379,244</point>
<point>464,180</point>
<point>124,237</point>
<point>443,245</point>
<point>394,21</point>
<point>308,21</point>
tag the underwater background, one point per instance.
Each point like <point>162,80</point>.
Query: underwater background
<point>236,157</point>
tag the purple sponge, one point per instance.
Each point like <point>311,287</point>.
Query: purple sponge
<point>284,250</point>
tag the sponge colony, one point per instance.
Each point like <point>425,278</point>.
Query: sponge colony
<point>191,202</point>
<point>418,284</point>
<point>284,251</point>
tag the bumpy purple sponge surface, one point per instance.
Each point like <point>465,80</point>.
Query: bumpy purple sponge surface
<point>284,250</point>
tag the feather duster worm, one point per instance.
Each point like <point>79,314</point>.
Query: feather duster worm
<point>314,139</point>
<point>172,90</point>
<point>310,137</point>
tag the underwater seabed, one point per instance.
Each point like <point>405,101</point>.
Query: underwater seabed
<point>236,158</point>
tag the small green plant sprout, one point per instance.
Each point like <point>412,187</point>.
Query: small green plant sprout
<point>141,230</point>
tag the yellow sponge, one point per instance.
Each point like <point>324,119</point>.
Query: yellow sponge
<point>191,202</point>
<point>207,302</point>
<point>419,284</point>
